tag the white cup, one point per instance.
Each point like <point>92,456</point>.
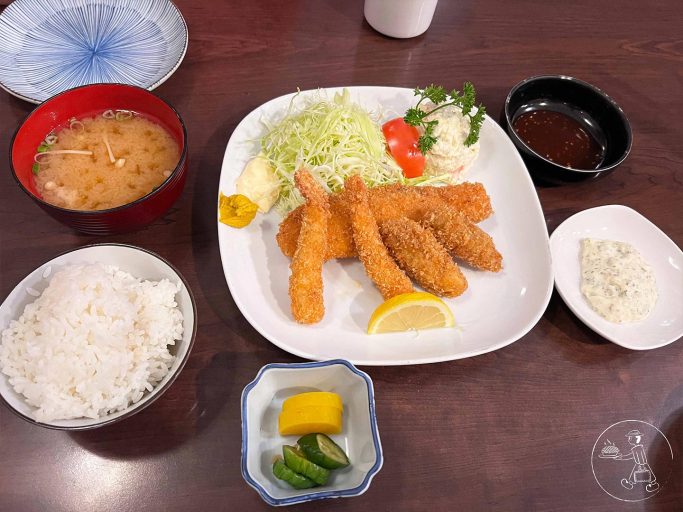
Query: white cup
<point>400,18</point>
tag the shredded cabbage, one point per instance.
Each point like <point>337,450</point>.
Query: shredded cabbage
<point>333,140</point>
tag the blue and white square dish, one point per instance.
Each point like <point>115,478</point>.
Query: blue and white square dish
<point>261,442</point>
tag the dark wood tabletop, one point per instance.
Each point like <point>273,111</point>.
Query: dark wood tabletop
<point>512,430</point>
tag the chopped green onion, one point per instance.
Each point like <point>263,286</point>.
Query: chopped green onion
<point>75,122</point>
<point>122,115</point>
<point>36,168</point>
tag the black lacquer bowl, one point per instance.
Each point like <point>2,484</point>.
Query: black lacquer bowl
<point>596,112</point>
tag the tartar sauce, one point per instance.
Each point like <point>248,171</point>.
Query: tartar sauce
<point>259,183</point>
<point>449,155</point>
<point>616,281</point>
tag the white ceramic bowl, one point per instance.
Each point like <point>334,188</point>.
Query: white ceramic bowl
<point>261,443</point>
<point>138,262</point>
<point>664,324</point>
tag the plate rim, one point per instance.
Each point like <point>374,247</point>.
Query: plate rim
<point>150,87</point>
<point>570,304</point>
<point>383,362</point>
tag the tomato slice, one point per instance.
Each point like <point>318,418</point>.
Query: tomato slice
<point>402,141</point>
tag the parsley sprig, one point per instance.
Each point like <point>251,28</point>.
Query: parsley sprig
<point>465,100</point>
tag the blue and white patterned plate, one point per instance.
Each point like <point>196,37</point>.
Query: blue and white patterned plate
<point>49,46</point>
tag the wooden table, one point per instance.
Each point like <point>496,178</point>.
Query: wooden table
<point>512,430</point>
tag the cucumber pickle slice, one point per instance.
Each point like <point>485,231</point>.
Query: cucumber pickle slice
<point>323,451</point>
<point>296,461</point>
<point>282,472</point>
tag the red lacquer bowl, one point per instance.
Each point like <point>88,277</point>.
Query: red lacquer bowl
<point>85,101</point>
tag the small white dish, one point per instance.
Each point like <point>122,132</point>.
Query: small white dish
<point>261,442</point>
<point>664,325</point>
<point>138,262</point>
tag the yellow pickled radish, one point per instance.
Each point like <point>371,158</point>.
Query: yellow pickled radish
<point>236,210</point>
<point>307,420</point>
<point>315,399</point>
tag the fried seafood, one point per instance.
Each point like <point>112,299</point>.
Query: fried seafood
<point>388,202</point>
<point>463,238</point>
<point>306,280</point>
<point>339,235</point>
<point>379,265</point>
<point>422,257</point>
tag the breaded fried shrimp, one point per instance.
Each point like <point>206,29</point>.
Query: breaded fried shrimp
<point>306,280</point>
<point>379,265</point>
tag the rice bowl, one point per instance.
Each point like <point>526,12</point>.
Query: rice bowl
<point>136,377</point>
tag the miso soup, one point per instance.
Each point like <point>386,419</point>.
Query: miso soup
<point>104,161</point>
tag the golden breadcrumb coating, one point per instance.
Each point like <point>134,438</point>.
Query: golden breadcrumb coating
<point>464,239</point>
<point>388,202</point>
<point>422,257</point>
<point>379,265</point>
<point>306,279</point>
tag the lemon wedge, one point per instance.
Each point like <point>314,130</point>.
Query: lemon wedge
<point>410,311</point>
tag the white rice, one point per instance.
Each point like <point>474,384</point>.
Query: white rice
<point>93,343</point>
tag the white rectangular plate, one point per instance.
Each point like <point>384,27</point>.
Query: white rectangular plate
<point>496,310</point>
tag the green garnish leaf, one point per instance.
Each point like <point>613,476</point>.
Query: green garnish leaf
<point>36,168</point>
<point>436,94</point>
<point>426,143</point>
<point>413,116</point>
<point>475,125</point>
<point>464,100</point>
<point>43,148</point>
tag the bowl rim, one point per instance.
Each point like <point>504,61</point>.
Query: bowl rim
<point>181,161</point>
<point>158,391</point>
<point>151,87</point>
<point>310,496</point>
<point>599,92</point>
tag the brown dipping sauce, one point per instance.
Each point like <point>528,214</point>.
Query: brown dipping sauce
<point>559,138</point>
